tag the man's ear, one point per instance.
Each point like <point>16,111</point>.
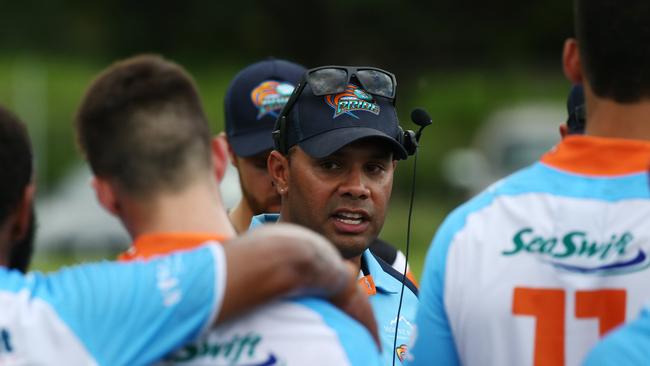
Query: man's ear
<point>571,61</point>
<point>23,213</point>
<point>220,149</point>
<point>231,152</point>
<point>564,130</point>
<point>106,195</point>
<point>278,168</point>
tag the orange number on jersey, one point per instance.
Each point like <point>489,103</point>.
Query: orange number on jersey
<point>548,307</point>
<point>606,305</point>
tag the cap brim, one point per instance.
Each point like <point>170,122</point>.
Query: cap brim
<point>251,143</point>
<point>327,143</point>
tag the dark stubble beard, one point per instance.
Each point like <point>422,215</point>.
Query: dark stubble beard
<point>20,254</point>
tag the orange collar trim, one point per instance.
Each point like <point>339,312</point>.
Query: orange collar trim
<point>149,245</point>
<point>599,156</point>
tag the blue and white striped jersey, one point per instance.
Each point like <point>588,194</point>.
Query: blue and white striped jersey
<point>110,313</point>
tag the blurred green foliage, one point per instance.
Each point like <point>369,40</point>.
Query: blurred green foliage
<point>45,92</point>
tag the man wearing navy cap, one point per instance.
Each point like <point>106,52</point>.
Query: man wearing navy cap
<point>253,102</point>
<point>254,99</point>
<point>337,144</point>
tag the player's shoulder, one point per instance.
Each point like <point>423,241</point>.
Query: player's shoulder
<point>524,181</point>
<point>628,345</point>
<point>354,339</point>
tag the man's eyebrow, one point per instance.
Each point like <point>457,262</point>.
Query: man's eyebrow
<point>374,155</point>
<point>382,155</point>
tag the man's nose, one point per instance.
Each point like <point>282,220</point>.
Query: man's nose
<point>354,185</point>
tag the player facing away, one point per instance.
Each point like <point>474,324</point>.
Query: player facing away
<point>154,169</point>
<point>126,314</point>
<point>337,146</point>
<point>253,102</point>
<point>537,268</point>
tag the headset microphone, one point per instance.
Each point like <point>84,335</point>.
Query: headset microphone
<point>421,118</point>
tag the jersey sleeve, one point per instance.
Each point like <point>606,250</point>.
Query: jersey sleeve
<point>136,313</point>
<point>629,345</point>
<point>434,341</point>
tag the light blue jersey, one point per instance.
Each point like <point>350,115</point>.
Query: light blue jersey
<point>110,313</point>
<point>384,285</point>
<point>628,345</point>
<point>534,270</point>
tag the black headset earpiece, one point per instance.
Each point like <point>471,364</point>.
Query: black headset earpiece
<point>408,141</point>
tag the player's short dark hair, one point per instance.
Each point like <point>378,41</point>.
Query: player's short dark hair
<point>614,37</point>
<point>141,124</point>
<point>15,162</point>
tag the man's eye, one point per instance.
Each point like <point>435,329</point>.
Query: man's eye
<point>329,165</point>
<point>375,168</point>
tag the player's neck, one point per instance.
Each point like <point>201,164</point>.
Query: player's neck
<point>4,243</point>
<point>606,118</point>
<point>241,216</point>
<point>197,208</point>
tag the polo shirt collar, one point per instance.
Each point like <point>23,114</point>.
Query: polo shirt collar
<point>384,282</point>
<point>263,219</point>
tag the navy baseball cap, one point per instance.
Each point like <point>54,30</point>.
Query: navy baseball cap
<point>321,125</point>
<point>253,102</point>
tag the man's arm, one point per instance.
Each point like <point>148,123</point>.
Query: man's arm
<point>136,313</point>
<point>284,259</point>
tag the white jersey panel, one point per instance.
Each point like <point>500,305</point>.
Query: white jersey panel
<point>33,334</point>
<point>531,256</point>
<point>281,333</point>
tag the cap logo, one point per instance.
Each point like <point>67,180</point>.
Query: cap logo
<point>351,100</point>
<point>270,97</point>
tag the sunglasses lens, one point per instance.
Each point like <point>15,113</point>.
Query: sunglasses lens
<point>328,81</point>
<point>377,82</point>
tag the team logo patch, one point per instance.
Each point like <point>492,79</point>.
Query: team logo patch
<point>401,352</point>
<point>578,252</point>
<point>235,350</point>
<point>270,97</point>
<point>351,100</point>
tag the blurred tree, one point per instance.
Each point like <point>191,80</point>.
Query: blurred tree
<point>404,36</point>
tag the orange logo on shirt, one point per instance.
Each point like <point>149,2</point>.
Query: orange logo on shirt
<point>401,352</point>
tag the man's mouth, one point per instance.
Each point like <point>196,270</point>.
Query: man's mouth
<point>349,218</point>
<point>351,221</point>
